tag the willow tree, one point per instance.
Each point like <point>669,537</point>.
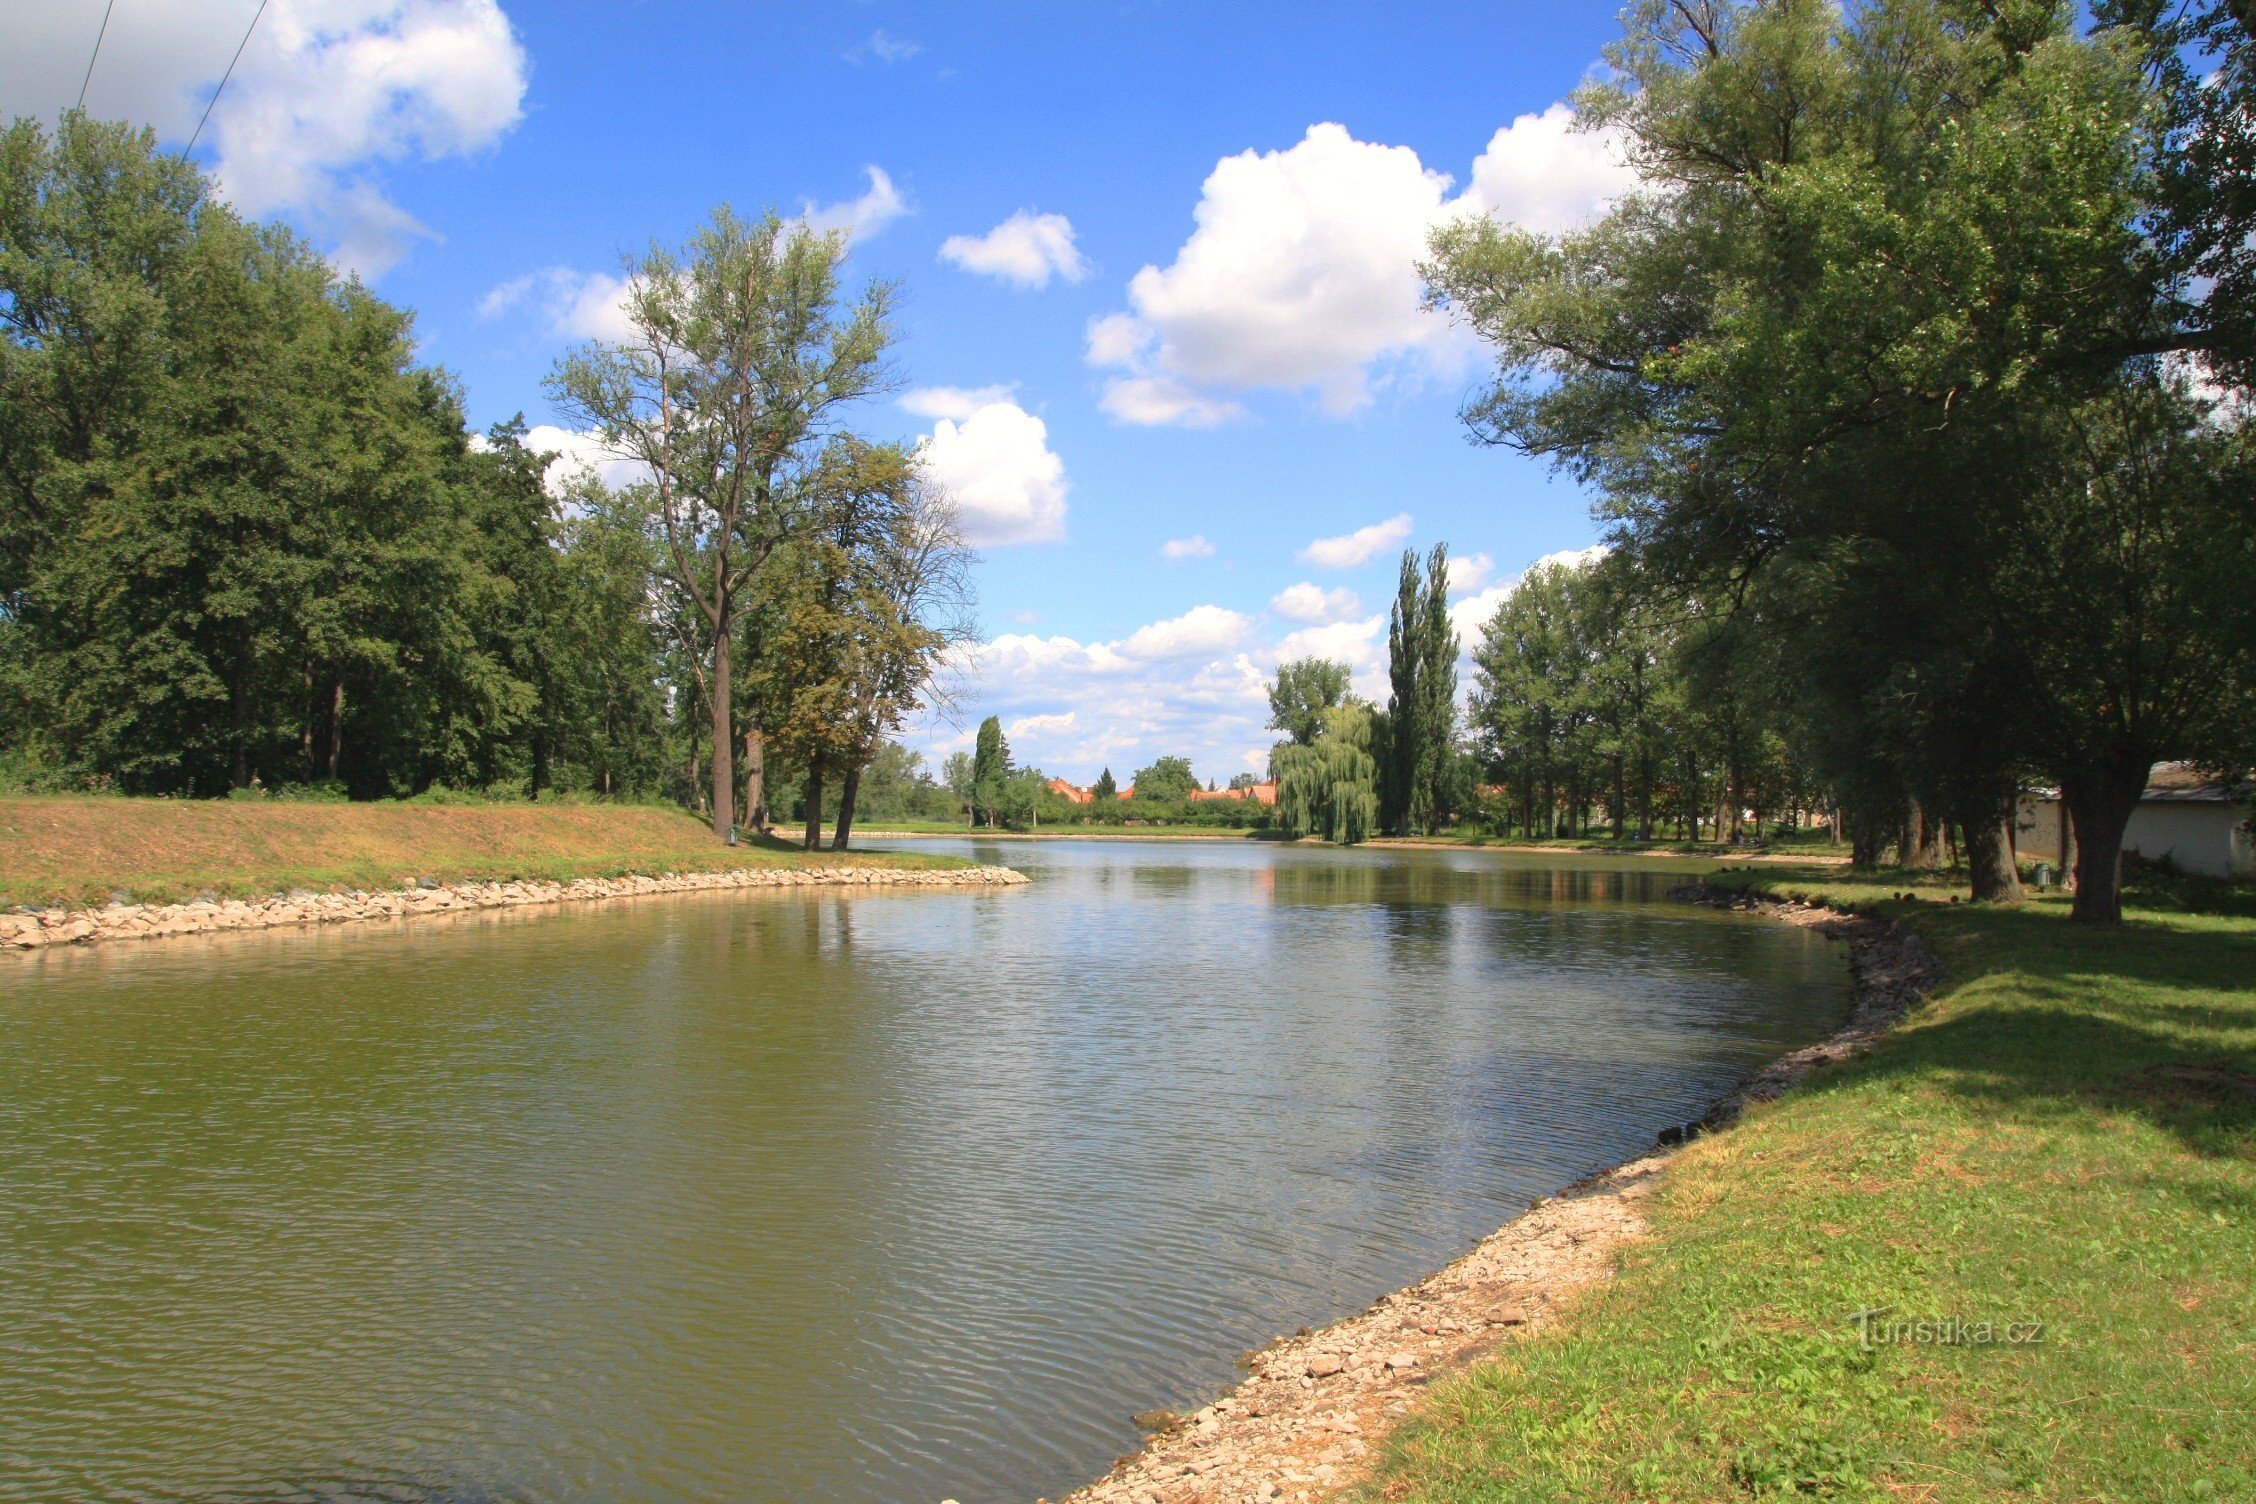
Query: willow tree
<point>741,354</point>
<point>1329,786</point>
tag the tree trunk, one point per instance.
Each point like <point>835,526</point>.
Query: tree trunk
<point>239,712</point>
<point>724,734</point>
<point>848,788</point>
<point>813,841</point>
<point>336,728</point>
<point>1989,858</point>
<point>2101,797</point>
<point>755,779</point>
<point>1922,845</point>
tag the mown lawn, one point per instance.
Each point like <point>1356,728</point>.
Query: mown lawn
<point>73,850</point>
<point>2067,1136</point>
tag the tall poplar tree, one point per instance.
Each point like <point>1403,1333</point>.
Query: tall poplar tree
<point>1399,769</point>
<point>1422,703</point>
<point>1436,695</point>
<point>990,766</point>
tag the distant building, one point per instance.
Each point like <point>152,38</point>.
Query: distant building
<point>1071,793</point>
<point>2195,822</point>
<point>1260,793</point>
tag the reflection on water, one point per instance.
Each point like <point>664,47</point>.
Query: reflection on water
<point>786,1197</point>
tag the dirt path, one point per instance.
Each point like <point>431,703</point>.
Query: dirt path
<point>1302,1425</point>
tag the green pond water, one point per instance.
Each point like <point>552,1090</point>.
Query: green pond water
<point>778,1197</point>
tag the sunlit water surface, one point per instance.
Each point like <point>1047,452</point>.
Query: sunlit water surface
<point>759,1197</point>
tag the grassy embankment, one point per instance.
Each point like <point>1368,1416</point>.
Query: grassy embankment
<point>2066,1136</point>
<point>73,850</point>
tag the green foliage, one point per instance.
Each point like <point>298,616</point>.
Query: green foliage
<point>990,769</point>
<point>1304,689</point>
<point>1873,365</point>
<point>1329,787</point>
<point>741,354</point>
<point>242,536</point>
<point>245,542</point>
<point>1167,779</point>
<point>1422,710</point>
<point>1104,788</point>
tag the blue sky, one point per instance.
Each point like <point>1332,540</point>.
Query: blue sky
<point>1157,267</point>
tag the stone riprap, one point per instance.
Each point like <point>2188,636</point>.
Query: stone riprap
<point>27,930</point>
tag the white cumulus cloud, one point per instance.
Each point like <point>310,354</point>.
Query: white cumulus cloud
<point>1027,249</point>
<point>1041,725</point>
<point>1469,572</point>
<point>576,304</point>
<point>1313,603</point>
<point>1202,629</point>
<point>1542,174</point>
<point>1470,612</point>
<point>958,402</point>
<point>861,217</point>
<point>1301,273</point>
<point>994,459</point>
<point>576,452</point>
<point>327,93</point>
<point>1349,550</point>
<point>1175,550</point>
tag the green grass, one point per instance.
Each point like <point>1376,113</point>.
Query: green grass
<point>73,850</point>
<point>2066,1136</point>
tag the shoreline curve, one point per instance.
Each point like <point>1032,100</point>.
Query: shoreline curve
<point>1313,1407</point>
<point>136,921</point>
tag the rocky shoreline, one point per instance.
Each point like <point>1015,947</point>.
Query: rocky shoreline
<point>29,930</point>
<point>1303,1424</point>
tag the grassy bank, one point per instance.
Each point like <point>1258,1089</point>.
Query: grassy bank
<point>63,850</point>
<point>2067,1137</point>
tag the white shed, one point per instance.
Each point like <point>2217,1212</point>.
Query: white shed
<point>2195,821</point>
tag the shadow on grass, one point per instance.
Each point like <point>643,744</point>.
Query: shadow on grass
<point>2048,1020</point>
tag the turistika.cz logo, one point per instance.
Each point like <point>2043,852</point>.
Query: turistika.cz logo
<point>1879,1326</point>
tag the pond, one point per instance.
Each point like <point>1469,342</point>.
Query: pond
<point>782,1197</point>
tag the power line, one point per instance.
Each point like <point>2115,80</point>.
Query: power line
<point>224,77</point>
<point>89,78</point>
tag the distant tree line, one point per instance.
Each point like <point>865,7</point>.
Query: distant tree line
<point>246,542</point>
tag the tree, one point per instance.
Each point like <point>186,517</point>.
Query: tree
<point>913,608</point>
<point>1329,786</point>
<point>849,620</point>
<point>1837,351</point>
<point>958,778</point>
<point>739,360</point>
<point>1168,778</point>
<point>1104,787</point>
<point>990,767</point>
<point>1435,709</point>
<point>243,538</point>
<point>1422,709</point>
<point>1304,689</point>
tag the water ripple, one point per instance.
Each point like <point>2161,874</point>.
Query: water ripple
<point>774,1197</point>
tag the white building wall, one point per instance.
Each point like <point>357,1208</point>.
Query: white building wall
<point>2203,836</point>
